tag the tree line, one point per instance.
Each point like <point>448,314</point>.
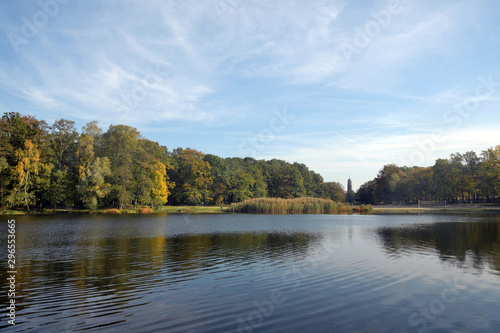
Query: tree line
<point>461,178</point>
<point>50,166</point>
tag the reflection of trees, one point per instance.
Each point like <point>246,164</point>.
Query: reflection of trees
<point>191,252</point>
<point>454,241</point>
<point>121,263</point>
<point>92,269</point>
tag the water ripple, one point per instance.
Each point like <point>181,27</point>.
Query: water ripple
<point>256,273</point>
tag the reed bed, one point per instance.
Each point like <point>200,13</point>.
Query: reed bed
<point>289,206</point>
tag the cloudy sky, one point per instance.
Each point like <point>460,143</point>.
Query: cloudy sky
<point>342,86</point>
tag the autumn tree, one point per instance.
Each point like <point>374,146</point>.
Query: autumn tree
<point>16,129</point>
<point>160,189</point>
<point>23,155</point>
<point>25,173</point>
<point>52,165</point>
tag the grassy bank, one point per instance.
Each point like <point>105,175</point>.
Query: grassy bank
<point>293,206</point>
<point>454,208</point>
<point>274,206</point>
<point>192,209</point>
<point>142,210</point>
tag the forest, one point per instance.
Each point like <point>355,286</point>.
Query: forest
<point>51,166</point>
<point>461,178</point>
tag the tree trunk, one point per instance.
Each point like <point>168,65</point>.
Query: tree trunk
<point>26,197</point>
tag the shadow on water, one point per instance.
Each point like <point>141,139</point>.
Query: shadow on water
<point>469,245</point>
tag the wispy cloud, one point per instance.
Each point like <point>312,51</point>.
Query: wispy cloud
<point>174,68</point>
<point>334,156</point>
<point>40,97</point>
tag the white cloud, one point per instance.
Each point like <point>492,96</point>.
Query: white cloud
<point>337,158</point>
<point>40,97</point>
<point>219,63</point>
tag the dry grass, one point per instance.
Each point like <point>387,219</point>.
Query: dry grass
<point>289,206</point>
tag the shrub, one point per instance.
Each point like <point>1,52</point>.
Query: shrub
<point>146,210</point>
<point>111,211</point>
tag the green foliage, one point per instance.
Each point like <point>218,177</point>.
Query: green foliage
<point>63,138</point>
<point>16,129</point>
<point>191,175</point>
<point>92,185</point>
<point>51,166</point>
<point>365,208</point>
<point>4,179</point>
<point>490,171</point>
<point>365,193</point>
<point>386,183</point>
<point>235,179</point>
<point>334,191</point>
<point>460,178</point>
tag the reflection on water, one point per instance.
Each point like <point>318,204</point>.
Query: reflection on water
<point>469,244</point>
<point>250,273</point>
<point>77,270</point>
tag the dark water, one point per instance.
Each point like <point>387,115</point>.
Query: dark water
<point>255,273</point>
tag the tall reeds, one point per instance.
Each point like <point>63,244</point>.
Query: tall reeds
<point>289,206</point>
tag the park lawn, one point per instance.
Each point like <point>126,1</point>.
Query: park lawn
<point>454,208</point>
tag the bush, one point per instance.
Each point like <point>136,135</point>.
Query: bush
<point>146,210</point>
<point>111,211</point>
<point>91,203</point>
<point>364,208</point>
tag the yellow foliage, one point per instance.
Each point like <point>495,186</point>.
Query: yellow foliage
<point>160,189</point>
<point>24,173</point>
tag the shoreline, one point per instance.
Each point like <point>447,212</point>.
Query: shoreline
<point>453,208</point>
<point>114,211</point>
<point>377,209</point>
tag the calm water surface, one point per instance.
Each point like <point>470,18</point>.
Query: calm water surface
<point>256,273</point>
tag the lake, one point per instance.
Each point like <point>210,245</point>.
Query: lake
<point>255,273</point>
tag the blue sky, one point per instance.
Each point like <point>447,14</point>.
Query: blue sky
<point>342,86</point>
